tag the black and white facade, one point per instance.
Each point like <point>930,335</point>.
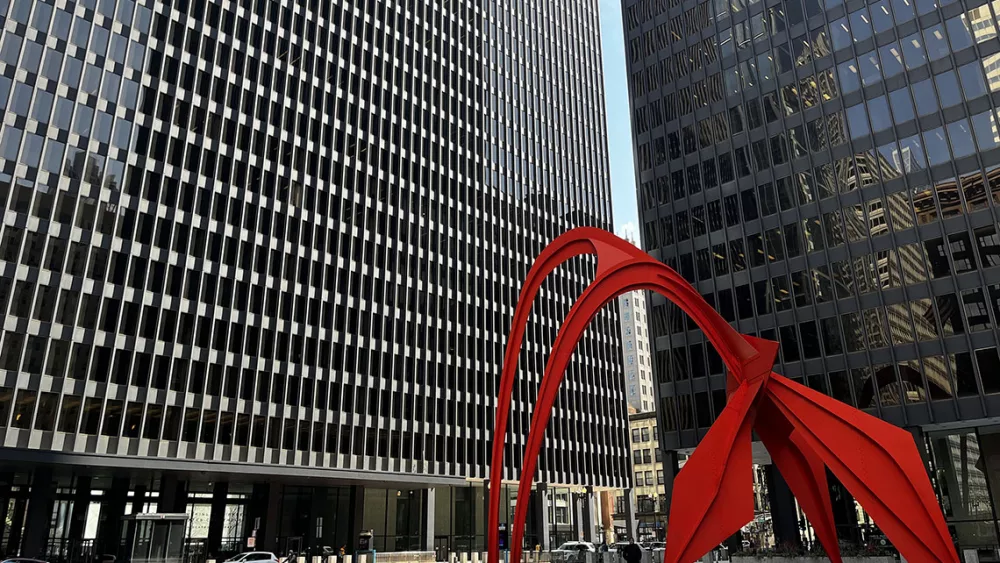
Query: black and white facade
<point>265,254</point>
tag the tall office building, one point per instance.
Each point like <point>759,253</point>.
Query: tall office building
<point>825,172</point>
<point>639,388</point>
<point>259,259</point>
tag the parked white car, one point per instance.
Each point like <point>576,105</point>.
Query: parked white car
<point>255,556</point>
<point>573,551</point>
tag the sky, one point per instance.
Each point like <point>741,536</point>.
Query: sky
<point>626,215</point>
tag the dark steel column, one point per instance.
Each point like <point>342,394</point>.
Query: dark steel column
<point>845,517</point>
<point>109,533</point>
<point>220,494</point>
<point>78,515</point>
<point>357,512</point>
<point>39,516</point>
<point>784,517</point>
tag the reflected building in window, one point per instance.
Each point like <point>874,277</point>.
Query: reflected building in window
<point>259,260</point>
<point>859,188</point>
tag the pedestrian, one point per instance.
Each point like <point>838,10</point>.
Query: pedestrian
<point>632,553</point>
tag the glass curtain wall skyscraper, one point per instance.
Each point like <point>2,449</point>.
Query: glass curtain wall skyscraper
<point>283,240</point>
<point>827,174</point>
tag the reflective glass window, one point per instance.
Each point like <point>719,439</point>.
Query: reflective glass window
<point>62,23</point>
<point>21,100</point>
<point>981,21</point>
<point>840,33</point>
<point>861,27</point>
<point>42,106</point>
<point>5,84</point>
<point>902,11</point>
<point>871,73</point>
<point>961,138</point>
<point>991,68</point>
<point>878,109</point>
<point>850,80</point>
<point>881,16</point>
<point>857,120</point>
<point>911,154</point>
<point>891,163</point>
<point>959,33</point>
<point>50,68</point>
<point>902,106</point>
<point>973,84</point>
<point>924,97</point>
<point>936,147</point>
<point>32,57</point>
<point>53,156</point>
<point>32,152</point>
<point>892,59</point>
<point>10,142</point>
<point>63,115</point>
<point>926,6</point>
<point>913,51</point>
<point>984,125</point>
<point>948,90</point>
<point>10,48</point>
<point>935,42</point>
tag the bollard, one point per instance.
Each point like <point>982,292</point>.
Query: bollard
<point>317,559</point>
<point>300,559</point>
<point>452,558</point>
<point>475,557</point>
<point>464,558</point>
<point>347,558</point>
<point>331,559</point>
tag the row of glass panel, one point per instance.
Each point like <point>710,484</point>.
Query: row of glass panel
<point>937,377</point>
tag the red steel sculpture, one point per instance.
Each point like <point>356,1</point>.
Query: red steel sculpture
<point>804,431</point>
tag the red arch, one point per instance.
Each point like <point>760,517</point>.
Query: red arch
<point>889,479</point>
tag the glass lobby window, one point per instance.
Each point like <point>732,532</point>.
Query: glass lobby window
<point>892,59</point>
<point>913,51</point>
<point>935,42</point>
<point>957,460</point>
<point>902,106</point>
<point>861,27</point>
<point>973,84</point>
<point>881,16</point>
<point>984,125</point>
<point>961,138</point>
<point>959,33</point>
<point>948,90</point>
<point>924,97</point>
